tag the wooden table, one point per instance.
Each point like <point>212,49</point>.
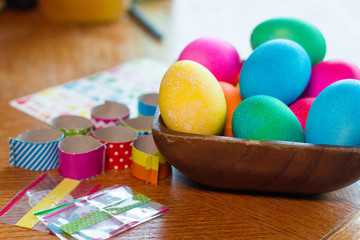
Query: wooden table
<point>36,53</point>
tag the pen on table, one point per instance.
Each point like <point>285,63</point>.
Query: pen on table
<point>144,22</point>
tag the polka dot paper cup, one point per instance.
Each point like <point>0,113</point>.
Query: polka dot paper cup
<point>72,125</point>
<point>118,141</point>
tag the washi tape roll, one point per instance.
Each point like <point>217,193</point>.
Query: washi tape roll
<point>36,149</point>
<point>81,157</point>
<point>108,114</point>
<point>148,164</point>
<point>118,141</point>
<point>141,125</point>
<point>147,104</point>
<point>72,125</point>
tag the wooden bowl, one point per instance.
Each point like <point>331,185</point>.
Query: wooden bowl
<point>267,166</point>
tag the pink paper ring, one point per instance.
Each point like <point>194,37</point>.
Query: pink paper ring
<point>81,157</point>
<point>108,114</point>
<point>118,141</point>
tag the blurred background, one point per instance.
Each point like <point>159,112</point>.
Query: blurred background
<point>32,38</point>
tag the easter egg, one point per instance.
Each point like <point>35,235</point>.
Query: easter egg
<point>325,73</point>
<point>191,99</point>
<point>217,55</point>
<point>232,98</point>
<point>301,109</point>
<point>279,68</point>
<point>263,117</point>
<point>302,32</point>
<point>334,115</point>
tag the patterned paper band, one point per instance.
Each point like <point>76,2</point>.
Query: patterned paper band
<point>108,114</point>
<point>118,141</point>
<point>103,214</point>
<point>148,164</point>
<point>141,125</point>
<point>50,200</point>
<point>81,157</point>
<point>35,149</point>
<point>72,125</point>
<point>147,104</point>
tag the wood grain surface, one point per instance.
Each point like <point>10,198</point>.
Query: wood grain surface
<point>36,53</point>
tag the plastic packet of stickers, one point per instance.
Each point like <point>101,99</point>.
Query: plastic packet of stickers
<point>101,215</point>
<point>43,190</point>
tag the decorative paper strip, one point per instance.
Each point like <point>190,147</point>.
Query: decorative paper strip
<point>141,125</point>
<point>108,114</point>
<point>101,215</point>
<point>35,149</point>
<point>81,157</point>
<point>123,84</point>
<point>51,199</point>
<point>118,141</point>
<point>147,104</point>
<point>72,125</point>
<point>148,164</point>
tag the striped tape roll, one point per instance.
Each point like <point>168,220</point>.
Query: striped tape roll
<point>36,149</point>
<point>148,164</point>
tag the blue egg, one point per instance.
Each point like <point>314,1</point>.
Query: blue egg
<point>334,115</point>
<point>279,68</point>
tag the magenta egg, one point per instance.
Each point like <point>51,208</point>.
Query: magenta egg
<point>325,73</point>
<point>217,55</point>
<point>301,109</point>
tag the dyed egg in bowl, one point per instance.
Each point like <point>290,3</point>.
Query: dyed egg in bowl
<point>262,166</point>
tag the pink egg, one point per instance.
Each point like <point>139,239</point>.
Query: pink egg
<point>301,109</point>
<point>217,55</point>
<point>325,73</point>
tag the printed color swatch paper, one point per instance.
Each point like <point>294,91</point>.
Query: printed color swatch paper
<point>123,84</point>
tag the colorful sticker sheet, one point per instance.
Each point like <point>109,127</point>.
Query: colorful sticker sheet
<point>123,84</point>
<point>101,215</point>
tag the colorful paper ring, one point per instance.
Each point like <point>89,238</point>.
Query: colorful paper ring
<point>118,141</point>
<point>148,164</point>
<point>141,125</point>
<point>36,149</point>
<point>81,157</point>
<point>108,114</point>
<point>147,104</point>
<point>72,125</point>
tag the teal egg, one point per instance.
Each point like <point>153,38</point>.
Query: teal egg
<point>302,32</point>
<point>333,118</point>
<point>264,117</point>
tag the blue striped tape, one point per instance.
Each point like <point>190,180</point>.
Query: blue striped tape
<point>34,156</point>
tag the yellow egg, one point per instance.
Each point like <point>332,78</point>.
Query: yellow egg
<point>191,99</point>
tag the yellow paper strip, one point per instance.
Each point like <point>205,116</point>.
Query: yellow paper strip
<point>50,200</point>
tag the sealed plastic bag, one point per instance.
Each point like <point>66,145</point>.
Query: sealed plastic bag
<point>44,192</point>
<point>101,215</point>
